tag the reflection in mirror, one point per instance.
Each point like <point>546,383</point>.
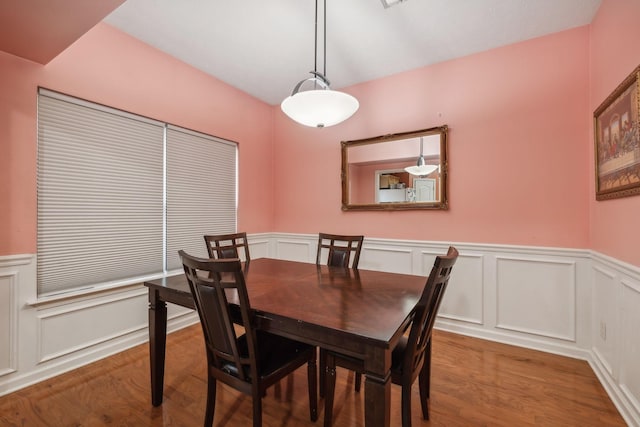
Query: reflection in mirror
<point>399,171</point>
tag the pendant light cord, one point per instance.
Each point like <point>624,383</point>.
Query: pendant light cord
<point>324,60</point>
<point>315,41</point>
<point>324,43</point>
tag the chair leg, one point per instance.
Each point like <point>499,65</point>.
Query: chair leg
<point>312,381</point>
<point>330,386</point>
<point>406,405</point>
<point>257,410</point>
<point>424,381</point>
<point>323,369</point>
<point>211,402</point>
<point>426,367</point>
<point>358,381</point>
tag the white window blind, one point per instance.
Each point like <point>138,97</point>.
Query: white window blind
<point>201,191</point>
<point>120,194</point>
<point>100,194</point>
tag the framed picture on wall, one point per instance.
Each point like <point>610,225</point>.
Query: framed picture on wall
<point>617,141</point>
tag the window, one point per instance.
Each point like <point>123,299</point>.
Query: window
<point>201,192</point>
<point>120,194</point>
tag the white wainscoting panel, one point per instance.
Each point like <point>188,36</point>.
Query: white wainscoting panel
<point>385,258</point>
<point>536,296</point>
<point>296,250</point>
<point>92,322</point>
<point>630,342</point>
<point>605,316</point>
<point>463,298</point>
<point>259,247</point>
<point>616,332</point>
<point>8,321</point>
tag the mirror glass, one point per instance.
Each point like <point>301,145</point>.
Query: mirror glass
<point>380,173</point>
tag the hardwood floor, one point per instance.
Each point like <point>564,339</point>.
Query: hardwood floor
<point>474,383</point>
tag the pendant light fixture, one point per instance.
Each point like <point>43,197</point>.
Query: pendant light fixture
<point>421,169</point>
<point>320,106</point>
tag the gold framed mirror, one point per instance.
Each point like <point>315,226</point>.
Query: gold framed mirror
<point>396,172</point>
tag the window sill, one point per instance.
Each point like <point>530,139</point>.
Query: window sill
<point>96,290</point>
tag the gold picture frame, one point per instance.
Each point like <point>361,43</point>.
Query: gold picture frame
<point>617,141</point>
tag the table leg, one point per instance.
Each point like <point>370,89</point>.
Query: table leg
<point>157,344</point>
<point>377,395</point>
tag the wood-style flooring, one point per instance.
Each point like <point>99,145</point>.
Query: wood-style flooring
<point>474,383</point>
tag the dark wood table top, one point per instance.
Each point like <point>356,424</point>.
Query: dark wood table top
<point>366,304</point>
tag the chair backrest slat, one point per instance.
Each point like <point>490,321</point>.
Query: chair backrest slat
<point>225,246</point>
<point>340,249</point>
<point>426,311</point>
<point>211,283</point>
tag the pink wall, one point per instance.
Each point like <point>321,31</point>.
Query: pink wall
<point>109,67</point>
<point>519,169</point>
<point>615,52</point>
<point>521,143</point>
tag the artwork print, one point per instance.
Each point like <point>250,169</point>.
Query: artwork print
<point>617,141</point>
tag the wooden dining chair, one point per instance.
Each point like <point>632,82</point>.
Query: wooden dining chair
<point>253,361</point>
<point>412,356</point>
<point>222,246</point>
<point>341,250</point>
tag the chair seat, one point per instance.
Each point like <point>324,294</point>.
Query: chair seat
<point>275,352</point>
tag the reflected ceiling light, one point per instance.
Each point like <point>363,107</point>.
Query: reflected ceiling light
<point>421,169</point>
<point>320,106</point>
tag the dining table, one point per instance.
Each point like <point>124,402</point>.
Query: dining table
<point>360,313</point>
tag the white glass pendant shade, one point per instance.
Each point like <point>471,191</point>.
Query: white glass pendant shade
<point>320,107</point>
<point>422,170</point>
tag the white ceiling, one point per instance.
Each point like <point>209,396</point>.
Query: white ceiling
<point>264,47</point>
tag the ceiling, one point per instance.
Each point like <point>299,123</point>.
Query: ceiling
<point>38,30</point>
<point>265,47</point>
